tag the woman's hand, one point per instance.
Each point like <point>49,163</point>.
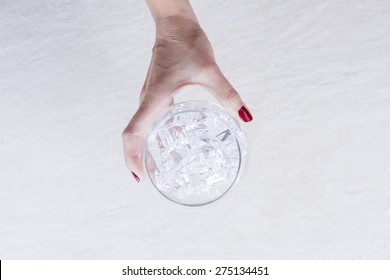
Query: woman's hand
<point>182,55</point>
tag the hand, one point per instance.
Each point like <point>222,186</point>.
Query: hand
<point>182,55</point>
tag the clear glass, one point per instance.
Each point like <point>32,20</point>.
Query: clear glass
<point>195,152</point>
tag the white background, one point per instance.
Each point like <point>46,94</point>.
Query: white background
<point>315,75</point>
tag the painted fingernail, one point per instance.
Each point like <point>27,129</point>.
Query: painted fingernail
<point>135,176</point>
<point>244,114</point>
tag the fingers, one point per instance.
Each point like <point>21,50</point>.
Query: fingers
<point>225,93</point>
<point>135,133</point>
<point>133,150</point>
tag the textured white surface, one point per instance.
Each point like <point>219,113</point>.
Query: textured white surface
<point>316,77</point>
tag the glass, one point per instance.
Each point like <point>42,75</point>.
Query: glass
<point>195,152</point>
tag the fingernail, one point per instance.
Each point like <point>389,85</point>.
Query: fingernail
<point>244,114</point>
<point>135,176</point>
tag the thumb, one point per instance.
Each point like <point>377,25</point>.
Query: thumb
<point>225,93</point>
<point>135,133</point>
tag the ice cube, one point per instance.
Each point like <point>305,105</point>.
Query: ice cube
<point>194,142</point>
<point>224,135</point>
<point>186,155</point>
<point>160,141</point>
<point>172,185</point>
<point>207,151</point>
<point>175,158</point>
<point>176,131</point>
<point>195,180</point>
<point>201,119</point>
<point>213,179</point>
<point>198,130</point>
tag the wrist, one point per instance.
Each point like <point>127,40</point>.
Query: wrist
<point>172,15</point>
<point>176,27</point>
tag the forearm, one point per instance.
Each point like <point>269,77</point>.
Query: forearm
<point>171,16</point>
<point>162,9</point>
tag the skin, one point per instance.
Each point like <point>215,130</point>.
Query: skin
<point>182,55</point>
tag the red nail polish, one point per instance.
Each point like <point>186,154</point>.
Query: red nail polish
<point>244,114</point>
<point>135,176</point>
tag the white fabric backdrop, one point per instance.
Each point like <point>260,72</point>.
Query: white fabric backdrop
<point>317,185</point>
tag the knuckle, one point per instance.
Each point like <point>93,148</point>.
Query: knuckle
<point>210,69</point>
<point>232,96</point>
<point>128,134</point>
<point>125,135</point>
